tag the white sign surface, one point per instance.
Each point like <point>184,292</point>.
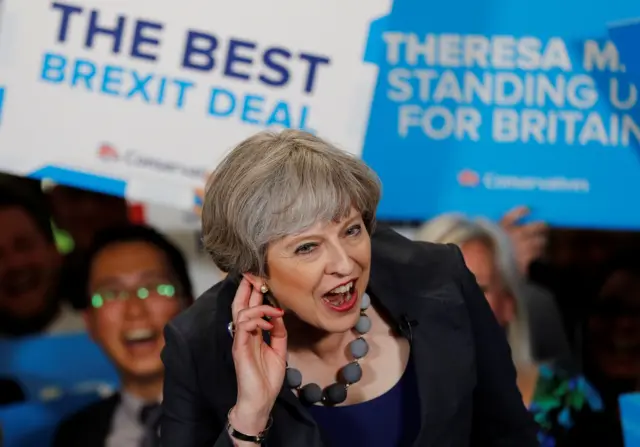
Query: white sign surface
<point>143,97</point>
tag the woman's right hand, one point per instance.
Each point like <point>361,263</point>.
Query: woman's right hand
<point>529,239</point>
<point>260,367</point>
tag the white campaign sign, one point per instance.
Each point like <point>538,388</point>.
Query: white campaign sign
<point>144,97</point>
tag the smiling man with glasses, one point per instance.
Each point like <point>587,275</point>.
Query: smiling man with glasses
<point>135,281</point>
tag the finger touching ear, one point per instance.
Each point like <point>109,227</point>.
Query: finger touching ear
<point>254,280</point>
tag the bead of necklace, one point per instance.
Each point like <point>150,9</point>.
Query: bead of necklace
<point>351,373</point>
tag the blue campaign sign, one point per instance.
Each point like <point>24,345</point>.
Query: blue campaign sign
<point>626,37</point>
<point>475,105</point>
<point>58,375</point>
<point>484,105</point>
<point>56,365</point>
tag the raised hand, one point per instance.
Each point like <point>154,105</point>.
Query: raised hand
<point>260,367</point>
<point>529,240</point>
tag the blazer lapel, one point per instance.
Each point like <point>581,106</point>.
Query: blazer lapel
<point>423,350</point>
<point>444,370</point>
<point>432,320</point>
<point>295,425</point>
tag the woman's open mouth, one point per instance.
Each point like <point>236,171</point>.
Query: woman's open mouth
<point>343,298</point>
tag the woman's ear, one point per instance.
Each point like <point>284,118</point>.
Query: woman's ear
<point>254,280</point>
<point>260,284</point>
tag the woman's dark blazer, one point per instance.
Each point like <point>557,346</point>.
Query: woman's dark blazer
<point>466,379</point>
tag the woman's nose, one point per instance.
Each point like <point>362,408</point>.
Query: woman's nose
<point>340,262</point>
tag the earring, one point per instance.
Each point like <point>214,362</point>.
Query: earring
<point>264,289</point>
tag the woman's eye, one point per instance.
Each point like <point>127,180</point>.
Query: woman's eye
<point>354,230</point>
<point>305,248</point>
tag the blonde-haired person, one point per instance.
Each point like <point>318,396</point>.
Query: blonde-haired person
<point>327,331</point>
<point>560,400</point>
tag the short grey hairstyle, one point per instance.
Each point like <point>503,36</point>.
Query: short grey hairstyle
<point>458,229</point>
<point>274,185</point>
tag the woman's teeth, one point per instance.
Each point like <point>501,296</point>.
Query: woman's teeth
<point>342,289</point>
<point>337,300</point>
<point>339,295</point>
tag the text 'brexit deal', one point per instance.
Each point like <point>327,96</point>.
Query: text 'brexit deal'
<point>234,63</point>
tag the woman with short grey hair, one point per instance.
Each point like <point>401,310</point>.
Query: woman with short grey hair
<point>327,331</point>
<point>559,399</point>
<point>490,256</point>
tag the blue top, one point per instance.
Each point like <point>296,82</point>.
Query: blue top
<point>390,420</point>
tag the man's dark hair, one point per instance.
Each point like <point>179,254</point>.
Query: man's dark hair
<point>138,233</point>
<point>37,210</point>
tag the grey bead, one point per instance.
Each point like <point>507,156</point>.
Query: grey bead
<point>293,378</point>
<point>335,394</point>
<point>365,302</point>
<point>351,373</point>
<point>311,393</point>
<point>359,348</point>
<point>363,325</point>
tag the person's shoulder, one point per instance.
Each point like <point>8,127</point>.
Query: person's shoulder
<point>87,419</point>
<point>394,250</point>
<point>93,411</point>
<point>203,314</point>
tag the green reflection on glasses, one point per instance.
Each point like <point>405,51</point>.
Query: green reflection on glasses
<point>99,299</point>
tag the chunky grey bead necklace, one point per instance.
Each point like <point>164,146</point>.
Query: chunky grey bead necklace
<point>336,393</point>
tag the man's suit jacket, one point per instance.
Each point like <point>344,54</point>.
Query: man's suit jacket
<point>89,427</point>
<point>466,379</point>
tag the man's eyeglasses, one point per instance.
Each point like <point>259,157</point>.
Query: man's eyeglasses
<point>108,297</point>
